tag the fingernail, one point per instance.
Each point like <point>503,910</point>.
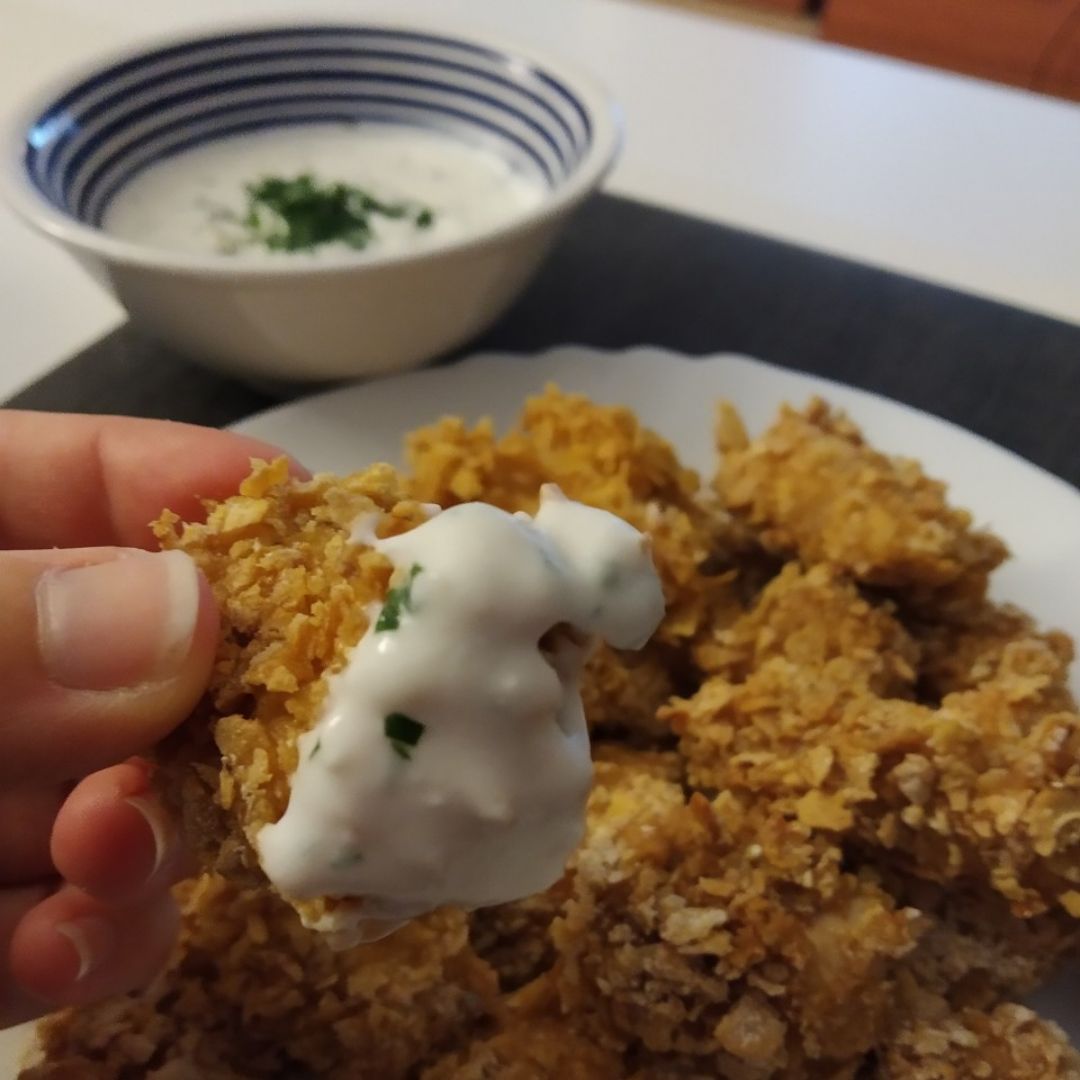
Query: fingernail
<point>153,817</point>
<point>91,939</point>
<point>119,623</point>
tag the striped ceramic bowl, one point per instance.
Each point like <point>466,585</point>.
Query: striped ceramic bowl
<point>75,148</point>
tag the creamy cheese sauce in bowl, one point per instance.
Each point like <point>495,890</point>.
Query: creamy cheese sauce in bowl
<point>313,202</point>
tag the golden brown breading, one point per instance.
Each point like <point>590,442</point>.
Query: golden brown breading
<point>622,692</point>
<point>973,951</point>
<point>293,591</point>
<point>961,654</point>
<point>515,938</point>
<point>250,993</point>
<point>706,929</point>
<point>725,1067</point>
<point>984,788</point>
<point>531,1049</point>
<point>1010,1043</point>
<point>810,617</point>
<point>534,1041</point>
<point>815,489</point>
<point>616,759</point>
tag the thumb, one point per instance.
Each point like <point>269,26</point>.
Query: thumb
<point>102,652</point>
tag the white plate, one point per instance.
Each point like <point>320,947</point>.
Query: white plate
<point>1037,514</point>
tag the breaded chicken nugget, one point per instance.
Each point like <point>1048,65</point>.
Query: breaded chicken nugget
<point>533,1041</point>
<point>515,938</point>
<point>809,617</point>
<point>973,951</point>
<point>1009,1043</point>
<point>295,595</point>
<point>962,653</point>
<point>707,931</point>
<point>985,788</point>
<point>251,993</point>
<point>814,488</point>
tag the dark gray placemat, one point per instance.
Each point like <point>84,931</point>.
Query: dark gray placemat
<point>630,274</point>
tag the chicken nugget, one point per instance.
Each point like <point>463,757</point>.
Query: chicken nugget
<point>395,720</point>
<point>814,488</point>
<point>1009,1043</point>
<point>250,993</point>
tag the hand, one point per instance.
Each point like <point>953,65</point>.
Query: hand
<point>104,648</point>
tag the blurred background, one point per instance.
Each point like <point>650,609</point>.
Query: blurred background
<point>1030,43</point>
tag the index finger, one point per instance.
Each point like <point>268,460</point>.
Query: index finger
<point>84,481</point>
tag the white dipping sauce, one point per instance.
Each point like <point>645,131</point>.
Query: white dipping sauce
<point>194,201</point>
<point>483,801</point>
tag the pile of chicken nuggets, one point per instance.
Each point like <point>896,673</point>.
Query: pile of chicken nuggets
<point>834,832</point>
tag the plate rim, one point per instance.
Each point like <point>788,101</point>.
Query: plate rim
<point>499,357</point>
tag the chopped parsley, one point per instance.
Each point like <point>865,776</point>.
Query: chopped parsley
<point>611,576</point>
<point>300,214</point>
<point>403,732</point>
<point>345,860</point>
<point>398,600</point>
<point>315,749</point>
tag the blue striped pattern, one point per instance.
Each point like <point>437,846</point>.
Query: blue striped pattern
<point>91,141</point>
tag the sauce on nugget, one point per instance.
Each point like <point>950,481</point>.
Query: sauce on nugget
<point>451,764</point>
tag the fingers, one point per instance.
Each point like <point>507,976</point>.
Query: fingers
<point>78,481</point>
<point>16,1005</point>
<point>112,838</point>
<point>102,653</point>
<point>71,949</point>
<point>110,926</point>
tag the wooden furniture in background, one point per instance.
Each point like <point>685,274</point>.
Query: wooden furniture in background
<point>782,5</point>
<point>1031,43</point>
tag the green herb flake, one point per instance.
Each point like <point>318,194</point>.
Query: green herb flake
<point>403,732</point>
<point>346,859</point>
<point>300,214</point>
<point>315,749</point>
<point>611,576</point>
<point>398,599</point>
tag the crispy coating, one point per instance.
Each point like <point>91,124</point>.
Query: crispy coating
<point>1009,1043</point>
<point>815,489</point>
<point>973,952</point>
<point>984,788</point>
<point>840,853</point>
<point>617,759</point>
<point>531,1049</point>
<point>250,993</point>
<point>533,1041</point>
<point>293,590</point>
<point>704,930</point>
<point>810,617</point>
<point>962,653</point>
<point>622,691</point>
<point>515,938</point>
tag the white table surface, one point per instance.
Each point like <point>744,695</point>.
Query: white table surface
<point>947,179</point>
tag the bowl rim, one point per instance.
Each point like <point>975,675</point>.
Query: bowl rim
<point>605,115</point>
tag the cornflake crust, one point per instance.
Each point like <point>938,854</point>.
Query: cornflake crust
<point>834,827</point>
